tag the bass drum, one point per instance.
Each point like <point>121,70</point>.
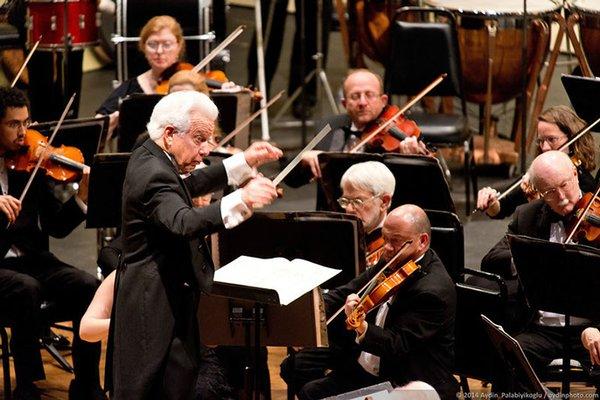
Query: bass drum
<point>589,30</point>
<point>473,17</point>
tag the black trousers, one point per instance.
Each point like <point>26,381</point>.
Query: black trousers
<point>308,365</point>
<point>349,377</point>
<point>27,281</point>
<point>273,49</point>
<point>541,345</point>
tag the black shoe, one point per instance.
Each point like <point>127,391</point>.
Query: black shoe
<point>26,392</point>
<point>85,392</point>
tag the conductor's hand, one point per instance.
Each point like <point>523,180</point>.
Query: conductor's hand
<point>310,159</point>
<point>590,338</point>
<point>260,153</point>
<point>258,192</point>
<point>10,207</point>
<point>487,200</point>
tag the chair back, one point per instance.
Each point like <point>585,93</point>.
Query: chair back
<point>421,51</point>
<point>447,239</point>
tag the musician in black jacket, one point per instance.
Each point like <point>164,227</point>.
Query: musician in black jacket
<point>166,260</point>
<point>411,336</point>
<point>556,126</point>
<point>554,176</point>
<point>29,273</point>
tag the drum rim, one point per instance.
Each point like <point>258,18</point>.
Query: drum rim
<point>58,1</point>
<point>493,14</point>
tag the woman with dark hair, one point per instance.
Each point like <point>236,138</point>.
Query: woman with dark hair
<point>556,126</point>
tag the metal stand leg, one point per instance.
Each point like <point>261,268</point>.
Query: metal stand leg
<point>260,59</point>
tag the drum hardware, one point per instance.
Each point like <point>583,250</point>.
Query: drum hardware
<point>209,37</point>
<point>569,28</point>
<point>492,30</point>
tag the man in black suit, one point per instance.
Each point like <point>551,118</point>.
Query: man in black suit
<point>411,336</point>
<point>555,178</point>
<point>166,263</point>
<point>29,273</point>
<point>364,101</point>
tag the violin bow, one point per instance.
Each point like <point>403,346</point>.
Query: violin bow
<point>14,82</point>
<point>582,216</point>
<point>250,118</point>
<point>561,148</point>
<point>43,154</point>
<point>232,36</point>
<point>371,284</point>
<point>408,105</point>
<point>298,158</point>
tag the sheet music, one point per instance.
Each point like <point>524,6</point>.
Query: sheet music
<point>291,279</point>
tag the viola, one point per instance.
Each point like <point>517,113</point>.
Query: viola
<point>388,140</point>
<point>63,164</point>
<point>589,226</point>
<point>381,293</point>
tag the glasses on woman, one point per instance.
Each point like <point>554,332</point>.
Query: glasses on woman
<point>153,45</point>
<point>552,140</point>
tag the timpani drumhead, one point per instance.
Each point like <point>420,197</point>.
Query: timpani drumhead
<point>590,6</point>
<point>492,8</point>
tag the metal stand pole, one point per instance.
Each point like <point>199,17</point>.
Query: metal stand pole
<point>318,72</point>
<point>260,59</point>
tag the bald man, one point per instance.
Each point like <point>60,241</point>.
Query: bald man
<point>411,336</point>
<point>555,178</point>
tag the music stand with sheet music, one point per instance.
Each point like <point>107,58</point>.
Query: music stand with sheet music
<point>423,175</point>
<point>512,356</point>
<point>267,317</point>
<point>107,175</point>
<point>584,94</point>
<point>334,240</point>
<point>559,278</point>
<point>87,134</point>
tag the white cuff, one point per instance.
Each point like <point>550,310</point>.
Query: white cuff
<point>233,210</point>
<point>238,170</point>
<point>81,204</point>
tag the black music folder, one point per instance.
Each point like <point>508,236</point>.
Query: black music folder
<point>584,94</point>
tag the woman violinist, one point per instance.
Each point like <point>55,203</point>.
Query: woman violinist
<point>556,126</point>
<point>161,41</point>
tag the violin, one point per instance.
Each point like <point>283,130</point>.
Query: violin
<point>63,164</point>
<point>381,293</point>
<point>213,79</point>
<point>585,223</point>
<point>374,251</point>
<point>388,140</point>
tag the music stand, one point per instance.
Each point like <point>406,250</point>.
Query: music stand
<point>87,134</point>
<point>561,278</point>
<point>331,239</point>
<point>583,94</point>
<point>107,175</point>
<point>381,389</point>
<point>514,359</point>
<point>423,175</point>
<point>229,306</point>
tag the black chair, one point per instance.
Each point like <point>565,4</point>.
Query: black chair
<point>419,180</point>
<point>421,51</point>
<point>447,239</point>
<point>9,37</point>
<point>5,362</point>
<point>474,353</point>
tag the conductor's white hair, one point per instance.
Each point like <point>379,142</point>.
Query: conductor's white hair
<point>175,109</point>
<point>371,176</point>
